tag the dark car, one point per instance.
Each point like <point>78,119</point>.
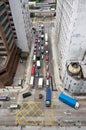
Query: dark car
<point>40,96</point>
<point>36,73</point>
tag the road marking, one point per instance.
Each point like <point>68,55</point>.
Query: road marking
<point>31,113</point>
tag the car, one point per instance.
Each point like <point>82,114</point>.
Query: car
<point>47,75</point>
<point>47,67</point>
<point>34,65</point>
<point>42,51</point>
<point>39,48</point>
<point>27,94</point>
<point>36,73</point>
<point>47,57</point>
<point>42,56</point>
<point>33,28</point>
<point>35,45</point>
<point>38,41</point>
<point>34,52</point>
<point>37,34</point>
<point>35,49</point>
<point>42,47</point>
<point>40,96</point>
<point>46,51</point>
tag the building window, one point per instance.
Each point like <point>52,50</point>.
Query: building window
<point>2,49</point>
<point>1,44</point>
<point>7,29</point>
<point>4,24</point>
<point>3,16</point>
<point>2,7</point>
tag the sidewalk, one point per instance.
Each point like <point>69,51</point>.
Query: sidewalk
<point>55,62</point>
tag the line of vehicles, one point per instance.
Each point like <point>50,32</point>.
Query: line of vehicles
<point>40,53</point>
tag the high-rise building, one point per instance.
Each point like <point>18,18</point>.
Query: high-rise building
<point>21,18</point>
<point>71,44</point>
<point>8,50</point>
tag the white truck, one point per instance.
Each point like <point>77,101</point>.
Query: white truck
<point>46,37</point>
<point>40,82</point>
<point>32,81</point>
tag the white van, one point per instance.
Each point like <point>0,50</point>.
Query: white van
<point>34,58</point>
<point>32,81</point>
<point>40,83</point>
<point>38,63</point>
<point>14,106</point>
<point>20,81</point>
<point>47,82</point>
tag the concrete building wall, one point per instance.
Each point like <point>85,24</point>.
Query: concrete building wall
<point>20,24</point>
<point>70,38</point>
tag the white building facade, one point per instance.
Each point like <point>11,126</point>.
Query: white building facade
<point>71,44</point>
<point>21,18</point>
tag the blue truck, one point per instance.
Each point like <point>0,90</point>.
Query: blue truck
<point>48,97</point>
<point>69,100</point>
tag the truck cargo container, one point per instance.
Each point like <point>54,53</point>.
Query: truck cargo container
<point>40,82</point>
<point>69,100</point>
<point>48,97</point>
<point>38,63</point>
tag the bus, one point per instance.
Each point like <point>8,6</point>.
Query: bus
<point>4,98</point>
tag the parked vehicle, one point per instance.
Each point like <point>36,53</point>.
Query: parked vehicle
<point>33,71</point>
<point>48,97</point>
<point>40,82</point>
<point>20,82</point>
<point>46,37</point>
<point>32,80</point>
<point>38,64</point>
<point>27,94</point>
<point>15,106</point>
<point>69,100</point>
<point>4,98</point>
